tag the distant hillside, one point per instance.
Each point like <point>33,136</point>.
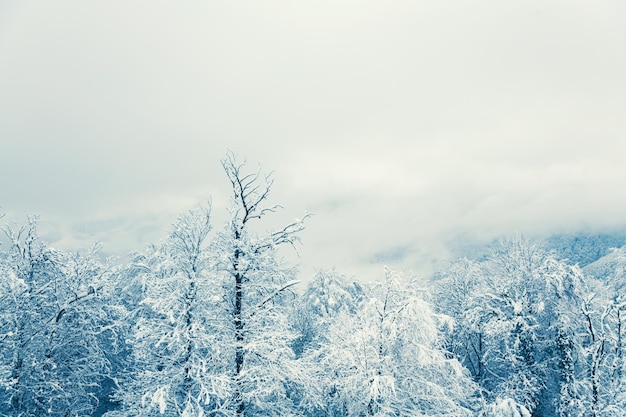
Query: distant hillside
<point>609,268</point>
<point>584,248</point>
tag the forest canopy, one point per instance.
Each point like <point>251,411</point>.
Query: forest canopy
<point>207,322</point>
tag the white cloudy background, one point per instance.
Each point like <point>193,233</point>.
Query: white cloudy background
<point>403,125</point>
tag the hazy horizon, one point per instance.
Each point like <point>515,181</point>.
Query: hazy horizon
<point>404,127</point>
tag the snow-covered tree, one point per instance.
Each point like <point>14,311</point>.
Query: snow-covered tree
<point>536,333</point>
<point>454,291</point>
<point>267,378</point>
<point>326,296</point>
<point>386,359</point>
<point>585,358</point>
<point>598,371</point>
<point>505,408</point>
<point>53,327</point>
<point>517,326</point>
<point>212,334</point>
<point>177,368</point>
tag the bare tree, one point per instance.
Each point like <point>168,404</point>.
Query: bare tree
<point>212,335</point>
<point>258,283</point>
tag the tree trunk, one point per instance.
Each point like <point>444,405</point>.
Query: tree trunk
<point>239,337</point>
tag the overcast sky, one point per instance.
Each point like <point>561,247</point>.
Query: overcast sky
<point>404,126</point>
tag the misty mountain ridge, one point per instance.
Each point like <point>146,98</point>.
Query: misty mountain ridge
<point>597,253</point>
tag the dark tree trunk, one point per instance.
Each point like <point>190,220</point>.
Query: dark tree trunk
<point>239,328</point>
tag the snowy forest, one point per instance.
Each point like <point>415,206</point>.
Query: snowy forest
<point>209,322</point>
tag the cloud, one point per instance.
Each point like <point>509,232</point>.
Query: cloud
<point>399,124</point>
